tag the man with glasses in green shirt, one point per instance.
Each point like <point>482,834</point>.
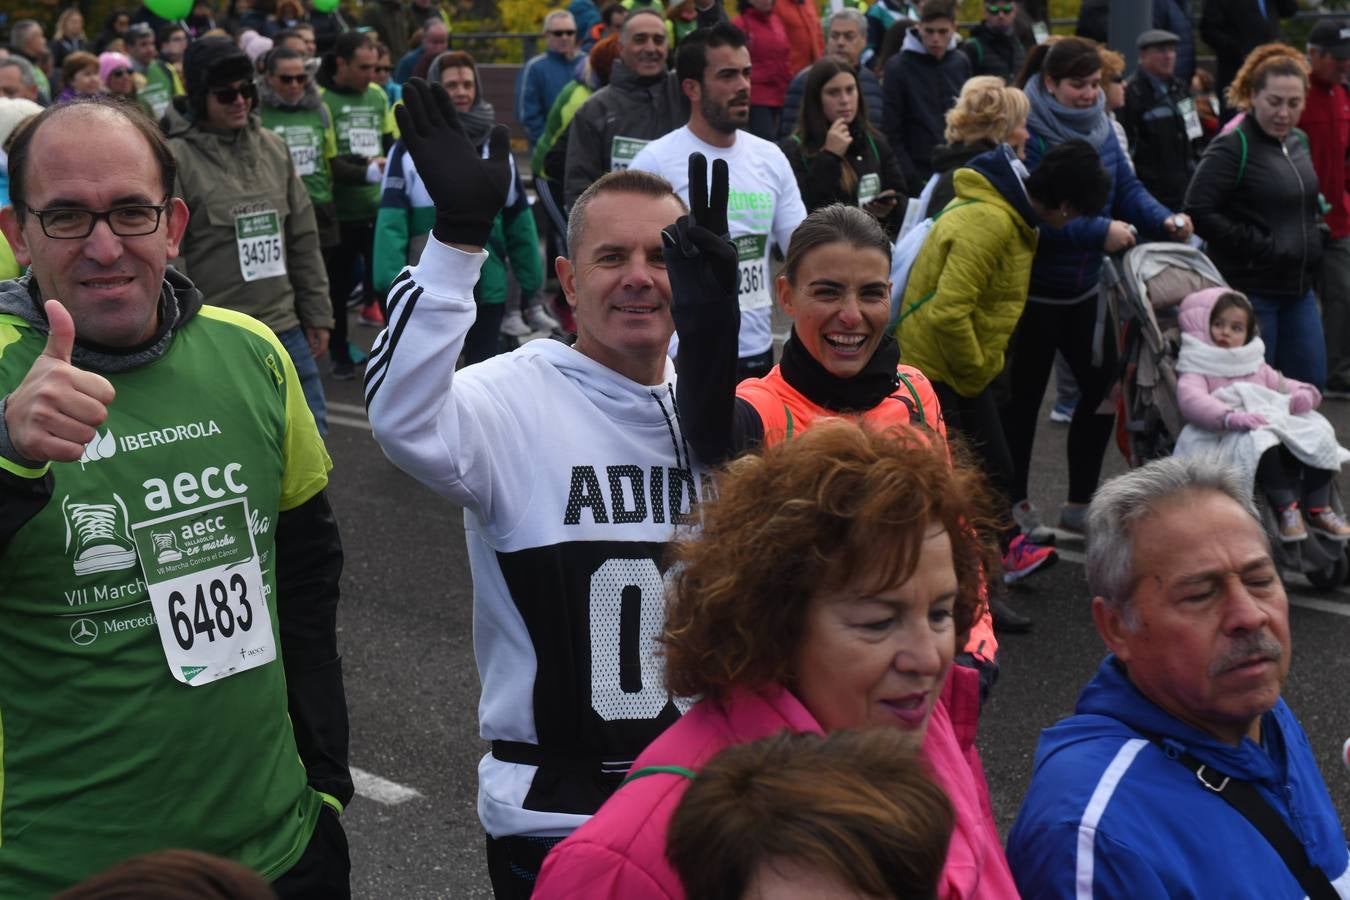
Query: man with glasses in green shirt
<point>169,559</point>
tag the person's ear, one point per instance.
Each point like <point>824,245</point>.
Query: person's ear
<point>1111,625</point>
<point>567,279</point>
<point>13,231</point>
<point>692,88</point>
<point>176,217</point>
<point>783,288</point>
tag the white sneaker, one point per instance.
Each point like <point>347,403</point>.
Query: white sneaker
<point>540,319</point>
<point>1028,519</point>
<point>513,325</point>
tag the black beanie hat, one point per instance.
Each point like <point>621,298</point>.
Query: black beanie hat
<point>211,62</point>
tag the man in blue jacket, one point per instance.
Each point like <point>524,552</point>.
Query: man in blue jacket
<point>1132,796</point>
<point>543,77</point>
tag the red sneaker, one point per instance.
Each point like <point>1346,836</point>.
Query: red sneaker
<point>1024,557</point>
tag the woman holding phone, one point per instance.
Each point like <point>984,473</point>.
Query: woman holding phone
<point>837,156</point>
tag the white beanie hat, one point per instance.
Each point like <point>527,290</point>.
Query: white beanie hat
<point>12,112</point>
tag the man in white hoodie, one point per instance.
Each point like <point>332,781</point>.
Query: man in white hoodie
<point>566,547</point>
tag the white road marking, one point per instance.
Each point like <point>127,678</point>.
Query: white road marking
<point>355,409</point>
<point>1336,602</point>
<point>349,422</point>
<point>381,790</point>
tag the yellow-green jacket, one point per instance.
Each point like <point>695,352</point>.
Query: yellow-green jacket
<point>969,283</point>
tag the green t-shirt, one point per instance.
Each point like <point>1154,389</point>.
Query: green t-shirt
<point>312,142</point>
<point>108,751</point>
<point>360,122</point>
<point>161,86</point>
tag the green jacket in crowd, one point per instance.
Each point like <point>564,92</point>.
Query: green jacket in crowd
<point>251,243</point>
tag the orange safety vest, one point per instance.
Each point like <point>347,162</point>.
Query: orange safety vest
<point>785,411</point>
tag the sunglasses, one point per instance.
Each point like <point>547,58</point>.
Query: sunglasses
<point>119,73</point>
<point>292,79</point>
<point>563,33</point>
<point>996,8</point>
<point>226,96</point>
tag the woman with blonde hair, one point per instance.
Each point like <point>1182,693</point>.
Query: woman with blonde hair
<point>68,36</point>
<point>1254,198</point>
<point>987,113</point>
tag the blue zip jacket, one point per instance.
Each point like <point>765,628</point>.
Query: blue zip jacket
<point>539,83</point>
<point>1109,814</point>
<point>1069,260</point>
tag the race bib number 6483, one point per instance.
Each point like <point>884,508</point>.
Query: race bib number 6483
<point>206,588</point>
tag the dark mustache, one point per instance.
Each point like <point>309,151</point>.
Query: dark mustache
<point>1261,643</point>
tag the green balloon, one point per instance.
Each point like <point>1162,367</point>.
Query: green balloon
<point>172,10</point>
<point>325,5</point>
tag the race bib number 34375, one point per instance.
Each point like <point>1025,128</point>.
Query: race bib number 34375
<point>206,588</point>
<point>258,236</point>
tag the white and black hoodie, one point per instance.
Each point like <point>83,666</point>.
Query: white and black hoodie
<point>573,480</point>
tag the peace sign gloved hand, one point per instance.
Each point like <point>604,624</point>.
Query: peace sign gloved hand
<point>468,190</point>
<point>701,260</point>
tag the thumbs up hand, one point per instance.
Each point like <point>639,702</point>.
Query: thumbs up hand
<point>54,412</point>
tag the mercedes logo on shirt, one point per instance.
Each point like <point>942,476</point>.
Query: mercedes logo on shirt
<point>84,632</point>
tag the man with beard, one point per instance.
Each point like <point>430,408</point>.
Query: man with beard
<point>765,205</point>
<point>1184,714</point>
<point>641,102</point>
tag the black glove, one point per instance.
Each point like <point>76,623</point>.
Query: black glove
<point>701,260</point>
<point>468,190</point>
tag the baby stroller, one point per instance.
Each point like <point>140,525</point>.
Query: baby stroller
<point>1153,279</point>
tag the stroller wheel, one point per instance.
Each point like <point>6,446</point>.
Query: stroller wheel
<point>1331,577</point>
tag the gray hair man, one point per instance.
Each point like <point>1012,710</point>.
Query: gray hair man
<point>845,40</point>
<point>1183,714</point>
<point>17,79</point>
<point>543,77</point>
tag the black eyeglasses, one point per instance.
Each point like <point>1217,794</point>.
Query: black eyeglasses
<point>124,221</point>
<point>227,95</point>
<point>562,32</point>
<point>996,8</point>
<point>292,79</point>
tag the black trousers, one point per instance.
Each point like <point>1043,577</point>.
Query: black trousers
<point>1068,328</point>
<point>358,240</point>
<point>484,338</point>
<point>514,863</point>
<point>324,870</point>
<point>977,420</point>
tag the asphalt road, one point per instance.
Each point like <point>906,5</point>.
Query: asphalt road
<point>412,687</point>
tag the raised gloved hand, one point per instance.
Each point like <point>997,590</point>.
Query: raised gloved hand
<point>701,260</point>
<point>1303,399</point>
<point>1238,420</point>
<point>467,189</point>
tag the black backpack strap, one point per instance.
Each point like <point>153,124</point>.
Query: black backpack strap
<point>1247,800</point>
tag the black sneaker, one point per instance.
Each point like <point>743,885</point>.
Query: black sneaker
<point>343,370</point>
<point>1008,620</point>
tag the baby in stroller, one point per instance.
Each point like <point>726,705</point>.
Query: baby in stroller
<point>1239,408</point>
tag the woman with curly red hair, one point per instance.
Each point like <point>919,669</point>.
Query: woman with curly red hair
<point>852,621</point>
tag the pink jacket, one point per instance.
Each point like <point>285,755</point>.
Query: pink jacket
<point>620,852</point>
<point>1195,391</point>
<point>767,38</point>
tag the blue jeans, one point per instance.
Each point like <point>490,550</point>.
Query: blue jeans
<point>1292,330</point>
<point>297,345</point>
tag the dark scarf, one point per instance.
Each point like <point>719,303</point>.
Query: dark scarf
<point>877,381</point>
